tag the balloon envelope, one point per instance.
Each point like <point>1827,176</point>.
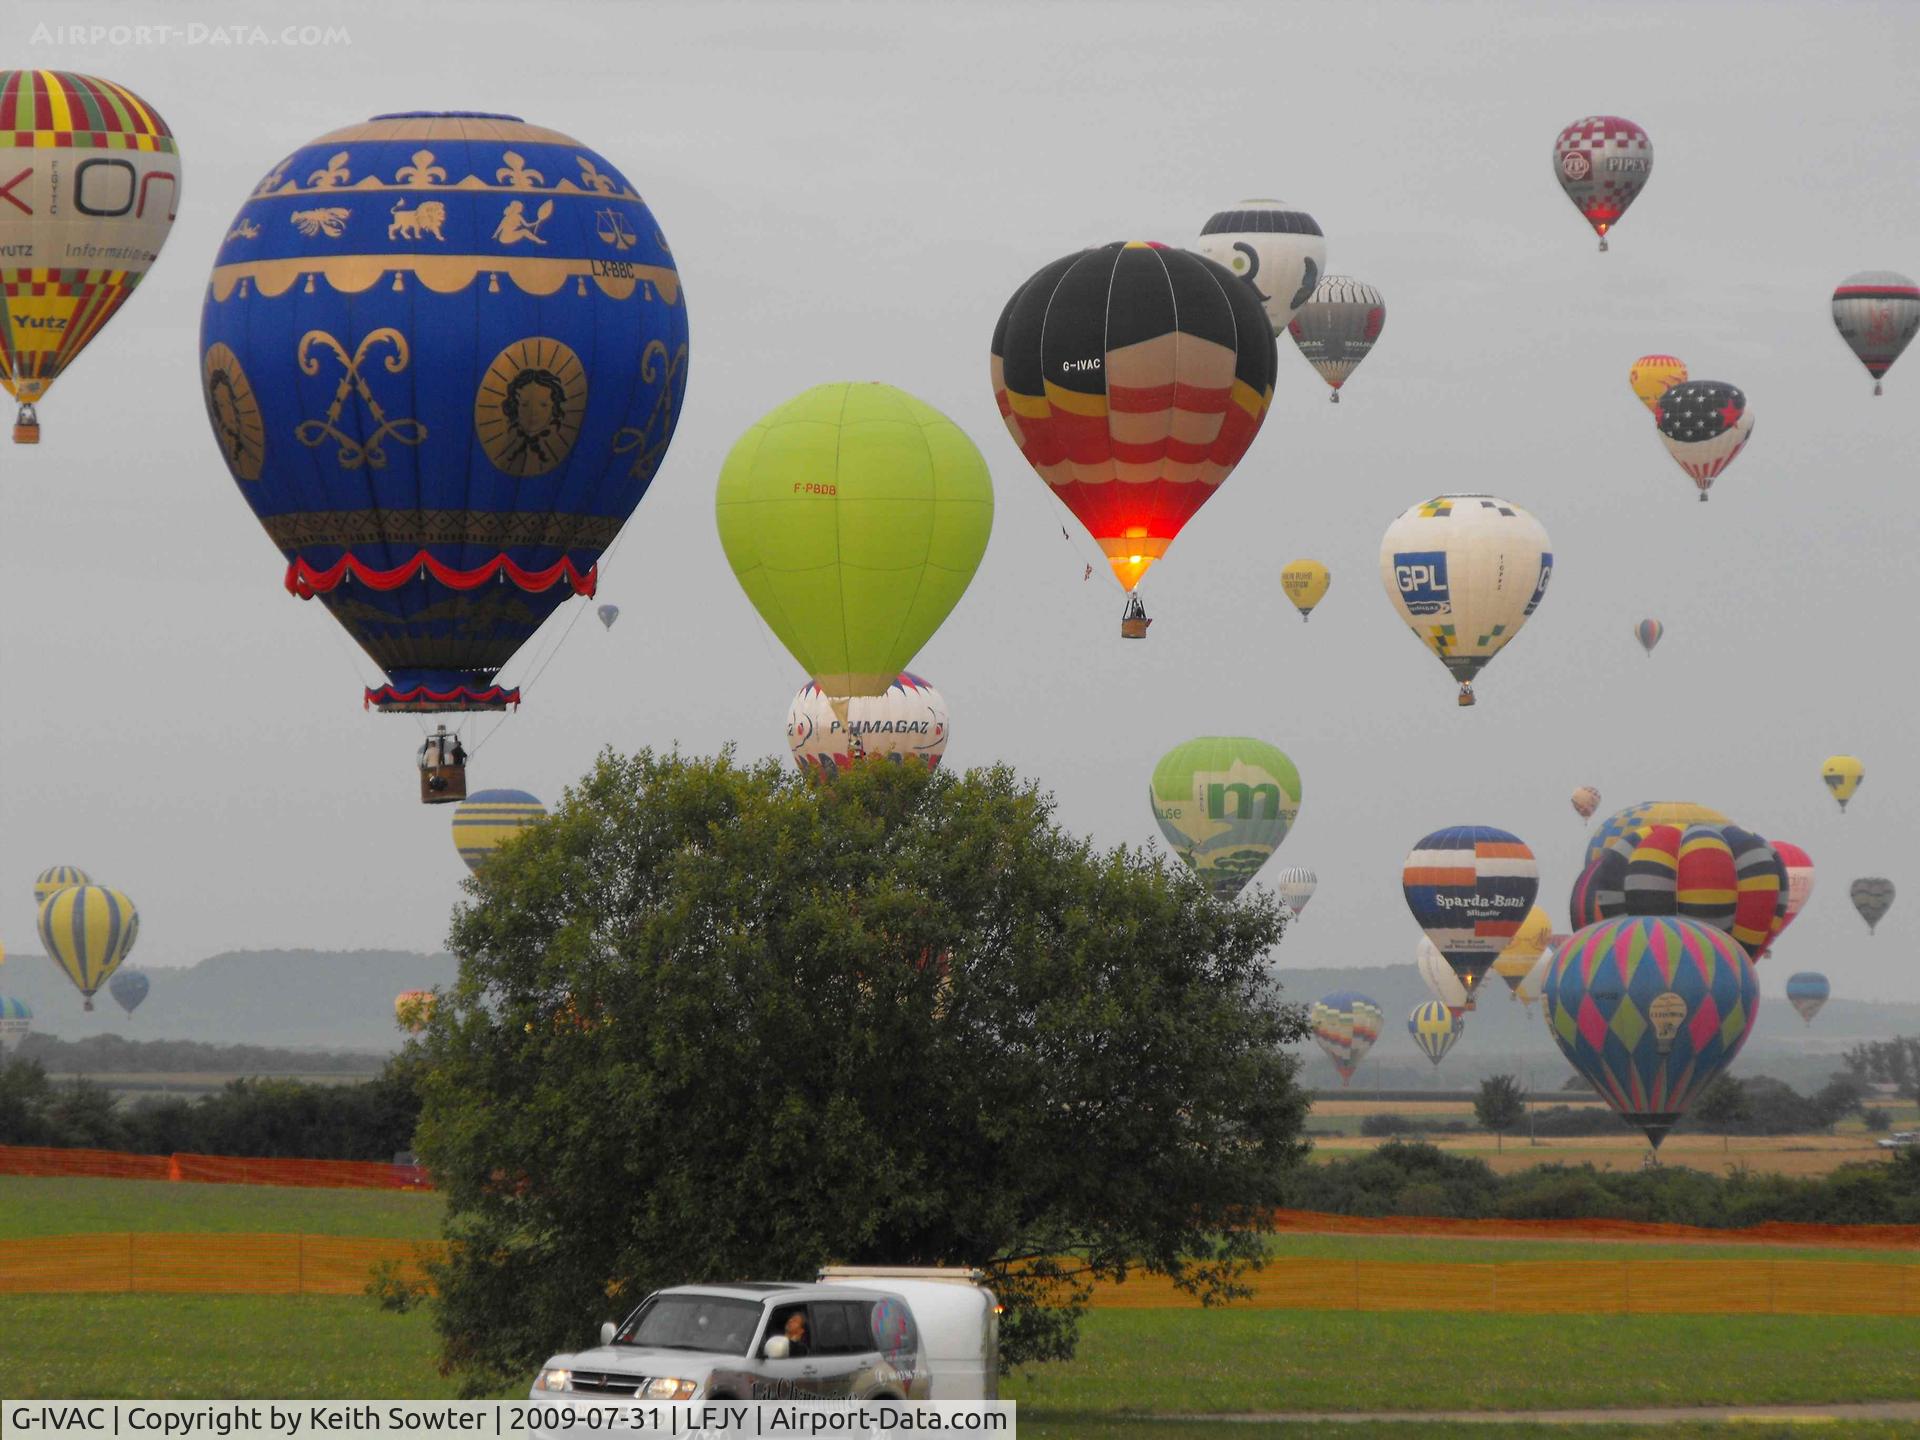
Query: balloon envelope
<point>1807,992</point>
<point>1718,875</point>
<point>1877,313</point>
<point>1434,1029</point>
<point>1296,885</point>
<point>1648,633</point>
<point>1799,882</point>
<point>94,172</point>
<point>1843,775</point>
<point>1346,1023</point>
<point>88,930</point>
<point>1586,800</point>
<point>1441,980</point>
<point>1464,572</point>
<point>1650,1009</point>
<point>1305,582</point>
<point>1704,424</point>
<point>443,357</point>
<point>1513,963</point>
<point>1635,820</point>
<point>1277,250</point>
<point>854,517</point>
<point>16,1019</point>
<point>56,878</point>
<point>128,988</point>
<point>1602,162</point>
<point>1872,896</point>
<point>909,722</point>
<point>1470,887</point>
<point>608,614</point>
<point>1225,803</point>
<point>1651,376</point>
<point>488,819</point>
<point>1133,378</point>
<point>1337,328</point>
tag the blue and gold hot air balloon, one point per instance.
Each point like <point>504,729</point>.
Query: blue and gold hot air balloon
<point>56,878</point>
<point>1650,1009</point>
<point>443,356</point>
<point>1470,887</point>
<point>1434,1028</point>
<point>487,819</point>
<point>88,930</point>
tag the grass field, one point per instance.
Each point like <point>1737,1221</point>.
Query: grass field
<point>30,1206</point>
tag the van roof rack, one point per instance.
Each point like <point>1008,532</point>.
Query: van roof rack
<point>958,1274</point>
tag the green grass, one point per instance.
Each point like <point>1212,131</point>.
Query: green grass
<point>1244,1360</point>
<point>31,1207</point>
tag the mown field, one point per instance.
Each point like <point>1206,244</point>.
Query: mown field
<point>1131,1363</point>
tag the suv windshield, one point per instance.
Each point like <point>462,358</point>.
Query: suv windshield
<point>712,1323</point>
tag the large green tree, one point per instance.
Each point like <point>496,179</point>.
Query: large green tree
<point>717,1022</point>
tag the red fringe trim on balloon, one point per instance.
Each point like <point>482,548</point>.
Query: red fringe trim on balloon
<point>461,697</point>
<point>306,582</point>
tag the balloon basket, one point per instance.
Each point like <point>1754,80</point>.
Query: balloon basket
<point>1133,620</point>
<point>26,426</point>
<point>443,784</point>
<point>1466,696</point>
<point>1334,398</point>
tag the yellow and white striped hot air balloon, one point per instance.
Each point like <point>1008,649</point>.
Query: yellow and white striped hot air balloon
<point>88,930</point>
<point>487,819</point>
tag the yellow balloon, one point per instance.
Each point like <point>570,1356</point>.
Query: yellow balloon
<point>88,930</point>
<point>1653,375</point>
<point>1528,941</point>
<point>1843,775</point>
<point>1305,582</point>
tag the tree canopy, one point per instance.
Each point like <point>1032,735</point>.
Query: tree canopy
<point>717,1022</point>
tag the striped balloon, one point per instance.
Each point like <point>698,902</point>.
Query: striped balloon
<point>1469,887</point>
<point>1799,867</point>
<point>1296,885</point>
<point>1650,1009</point>
<point>1434,1029</point>
<point>1877,313</point>
<point>55,878</point>
<point>1337,327</point>
<point>1872,896</point>
<point>1648,633</point>
<point>1346,1024</point>
<point>88,930</point>
<point>15,1021</point>
<point>1634,821</point>
<point>1807,992</point>
<point>488,819</point>
<point>1718,875</point>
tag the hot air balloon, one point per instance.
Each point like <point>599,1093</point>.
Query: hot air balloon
<point>1434,1029</point>
<point>1296,885</point>
<point>909,722</point>
<point>1336,328</point>
<point>1799,882</point>
<point>1133,378</point>
<point>1464,572</point>
<point>1648,633</point>
<point>1876,313</point>
<point>1872,896</point>
<point>1653,375</point>
<point>1586,800</point>
<point>95,175</point>
<point>1704,425</point>
<point>16,1019</point>
<point>1807,992</point>
<point>1513,963</point>
<point>1305,584</point>
<point>443,356</point>
<point>1650,1009</point>
<point>1717,875</point>
<point>1224,803</point>
<point>1469,887</point>
<point>608,614</point>
<point>128,988</point>
<point>1440,979</point>
<point>1346,1024</point>
<point>413,1009</point>
<point>1602,162</point>
<point>854,516</point>
<point>1634,821</point>
<point>56,878</point>
<point>1275,248</point>
<point>1843,775</point>
<point>1534,983</point>
<point>87,931</point>
<point>3,954</point>
<point>488,819</point>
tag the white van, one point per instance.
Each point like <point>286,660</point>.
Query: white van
<point>958,1319</point>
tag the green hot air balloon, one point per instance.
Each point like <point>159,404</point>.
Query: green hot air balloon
<point>854,517</point>
<point>1225,803</point>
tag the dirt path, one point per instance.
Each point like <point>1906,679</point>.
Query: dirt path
<point>1652,1415</point>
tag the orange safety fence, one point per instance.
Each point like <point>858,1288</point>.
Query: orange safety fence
<point>205,1264</point>
<point>1772,1232</point>
<point>211,1169</point>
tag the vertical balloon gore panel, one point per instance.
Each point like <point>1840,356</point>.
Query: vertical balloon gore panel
<point>443,357</point>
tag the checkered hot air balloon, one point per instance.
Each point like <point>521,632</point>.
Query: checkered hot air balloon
<point>1434,1028</point>
<point>908,722</point>
<point>1470,887</point>
<point>1133,377</point>
<point>1877,313</point>
<point>1346,1023</point>
<point>1649,1009</point>
<point>1704,424</point>
<point>1602,163</point>
<point>1807,992</point>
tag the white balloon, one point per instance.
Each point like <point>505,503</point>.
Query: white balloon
<point>1441,980</point>
<point>908,722</point>
<point>1275,248</point>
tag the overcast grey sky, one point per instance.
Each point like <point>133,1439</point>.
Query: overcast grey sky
<point>852,191</point>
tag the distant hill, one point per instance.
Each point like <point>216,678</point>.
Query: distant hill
<point>300,999</point>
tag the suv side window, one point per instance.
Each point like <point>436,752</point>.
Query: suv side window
<point>830,1329</point>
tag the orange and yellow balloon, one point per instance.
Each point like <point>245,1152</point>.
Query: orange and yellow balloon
<point>1653,375</point>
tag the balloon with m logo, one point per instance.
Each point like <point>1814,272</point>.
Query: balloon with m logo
<point>443,356</point>
<point>1225,803</point>
<point>1650,1009</point>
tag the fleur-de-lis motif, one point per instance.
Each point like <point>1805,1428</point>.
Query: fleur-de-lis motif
<point>592,178</point>
<point>275,178</point>
<point>353,453</point>
<point>244,230</point>
<point>422,171</point>
<point>336,173</point>
<point>516,174</point>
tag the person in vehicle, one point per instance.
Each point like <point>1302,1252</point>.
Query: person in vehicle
<point>796,1333</point>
